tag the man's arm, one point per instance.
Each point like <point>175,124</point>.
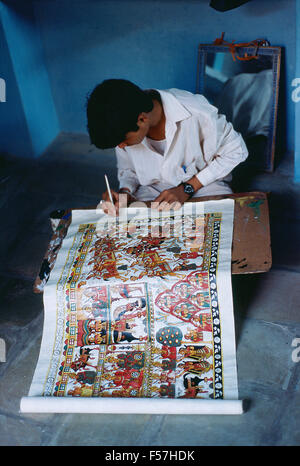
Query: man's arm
<point>128,183</point>
<point>230,151</point>
<point>127,177</point>
<point>223,148</point>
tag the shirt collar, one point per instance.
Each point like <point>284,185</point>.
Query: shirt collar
<point>173,109</point>
<point>174,112</point>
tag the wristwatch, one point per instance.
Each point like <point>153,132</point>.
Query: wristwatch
<point>188,189</point>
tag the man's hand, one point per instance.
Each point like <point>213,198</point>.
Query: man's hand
<point>172,198</point>
<point>120,200</point>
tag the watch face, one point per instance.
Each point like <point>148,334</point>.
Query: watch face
<point>188,189</point>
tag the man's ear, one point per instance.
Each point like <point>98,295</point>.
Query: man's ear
<point>142,118</point>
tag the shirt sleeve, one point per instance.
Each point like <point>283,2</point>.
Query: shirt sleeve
<point>230,150</point>
<point>126,173</point>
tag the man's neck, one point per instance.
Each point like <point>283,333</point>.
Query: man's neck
<point>157,122</point>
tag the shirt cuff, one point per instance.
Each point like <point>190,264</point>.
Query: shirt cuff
<point>130,184</point>
<point>206,176</point>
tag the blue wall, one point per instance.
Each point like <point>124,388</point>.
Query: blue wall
<point>14,134</point>
<point>31,103</point>
<point>297,104</point>
<point>153,43</point>
<point>78,43</point>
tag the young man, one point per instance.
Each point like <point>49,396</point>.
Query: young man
<point>170,145</point>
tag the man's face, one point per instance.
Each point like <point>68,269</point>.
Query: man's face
<point>136,137</point>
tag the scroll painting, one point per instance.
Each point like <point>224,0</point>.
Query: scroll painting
<point>139,315</point>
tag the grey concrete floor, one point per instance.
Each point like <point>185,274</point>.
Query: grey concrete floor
<point>266,308</point>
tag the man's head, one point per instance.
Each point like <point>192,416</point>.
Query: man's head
<point>117,114</point>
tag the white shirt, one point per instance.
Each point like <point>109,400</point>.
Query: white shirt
<point>199,142</point>
<point>159,146</point>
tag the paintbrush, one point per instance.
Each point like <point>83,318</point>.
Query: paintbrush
<point>108,189</point>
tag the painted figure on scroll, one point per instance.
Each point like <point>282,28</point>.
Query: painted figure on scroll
<point>193,367</point>
<point>130,378</point>
<point>171,145</point>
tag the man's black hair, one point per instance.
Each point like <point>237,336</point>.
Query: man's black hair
<point>113,108</point>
